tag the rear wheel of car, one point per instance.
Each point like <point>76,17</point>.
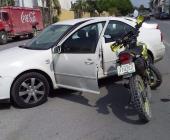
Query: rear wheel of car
<point>16,38</point>
<point>3,37</point>
<point>156,77</point>
<point>150,59</point>
<point>30,90</point>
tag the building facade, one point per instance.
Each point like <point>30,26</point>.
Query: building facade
<point>66,4</point>
<point>30,3</point>
<point>159,6</point>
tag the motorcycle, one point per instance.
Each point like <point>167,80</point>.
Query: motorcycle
<point>133,64</point>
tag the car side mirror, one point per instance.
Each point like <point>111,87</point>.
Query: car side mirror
<point>57,49</point>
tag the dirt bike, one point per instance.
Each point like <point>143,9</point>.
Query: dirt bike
<point>133,64</point>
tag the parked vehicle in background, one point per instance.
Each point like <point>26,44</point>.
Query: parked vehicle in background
<point>19,21</point>
<point>162,15</point>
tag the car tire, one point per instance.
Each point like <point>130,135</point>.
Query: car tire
<point>157,77</point>
<point>16,38</point>
<point>150,59</point>
<point>30,90</point>
<point>3,37</point>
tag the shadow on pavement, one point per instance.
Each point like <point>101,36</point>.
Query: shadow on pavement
<point>165,100</point>
<point>4,106</point>
<point>71,95</point>
<point>117,100</point>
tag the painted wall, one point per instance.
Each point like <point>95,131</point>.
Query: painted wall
<point>66,14</point>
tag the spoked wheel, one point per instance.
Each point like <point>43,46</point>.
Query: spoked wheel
<point>141,97</point>
<point>155,77</point>
<point>29,90</point>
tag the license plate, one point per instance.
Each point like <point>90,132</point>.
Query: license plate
<point>126,69</point>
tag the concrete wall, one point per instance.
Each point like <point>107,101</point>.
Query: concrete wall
<point>66,14</point>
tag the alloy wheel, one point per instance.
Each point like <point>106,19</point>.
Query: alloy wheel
<point>32,90</point>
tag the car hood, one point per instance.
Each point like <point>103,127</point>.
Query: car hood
<point>17,57</point>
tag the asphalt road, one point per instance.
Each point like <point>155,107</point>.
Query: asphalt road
<point>70,115</point>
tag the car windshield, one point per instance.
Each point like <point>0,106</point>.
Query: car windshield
<point>48,37</point>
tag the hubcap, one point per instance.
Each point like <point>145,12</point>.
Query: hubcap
<point>31,90</point>
<point>3,37</point>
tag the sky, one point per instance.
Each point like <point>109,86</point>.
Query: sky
<point>139,2</point>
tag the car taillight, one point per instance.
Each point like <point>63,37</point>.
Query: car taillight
<point>125,58</point>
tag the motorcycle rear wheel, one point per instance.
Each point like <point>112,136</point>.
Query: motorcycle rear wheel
<point>140,97</point>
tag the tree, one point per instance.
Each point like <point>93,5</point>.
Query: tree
<point>91,7</point>
<point>57,6</point>
<point>100,6</point>
<point>53,5</point>
<point>79,7</point>
<point>142,8</point>
<point>124,6</point>
<point>7,2</point>
<point>116,7</point>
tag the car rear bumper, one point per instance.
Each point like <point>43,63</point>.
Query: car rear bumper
<point>159,53</point>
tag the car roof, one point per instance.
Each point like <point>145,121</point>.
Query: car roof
<point>76,21</point>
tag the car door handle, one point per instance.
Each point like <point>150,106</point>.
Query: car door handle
<point>89,61</point>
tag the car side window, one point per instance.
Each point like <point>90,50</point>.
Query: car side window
<point>5,16</point>
<point>84,40</point>
<point>115,30</point>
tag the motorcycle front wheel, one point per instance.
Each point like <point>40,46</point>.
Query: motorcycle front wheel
<point>141,97</point>
<point>155,77</point>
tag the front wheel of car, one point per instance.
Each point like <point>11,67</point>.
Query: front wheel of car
<point>30,90</point>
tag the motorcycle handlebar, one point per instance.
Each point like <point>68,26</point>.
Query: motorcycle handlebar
<point>130,36</point>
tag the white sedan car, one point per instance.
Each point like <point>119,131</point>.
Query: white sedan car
<point>70,54</point>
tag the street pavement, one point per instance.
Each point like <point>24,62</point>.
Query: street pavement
<point>70,115</point>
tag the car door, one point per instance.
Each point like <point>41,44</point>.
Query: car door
<point>76,66</point>
<point>114,30</point>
